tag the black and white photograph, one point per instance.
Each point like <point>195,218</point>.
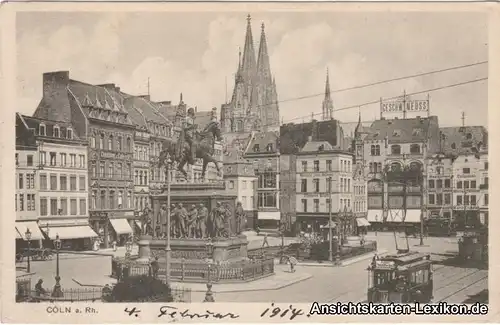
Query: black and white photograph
<point>251,156</point>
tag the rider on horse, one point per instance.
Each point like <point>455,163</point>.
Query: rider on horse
<point>189,133</point>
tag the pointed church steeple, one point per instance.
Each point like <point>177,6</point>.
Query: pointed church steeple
<point>238,76</point>
<point>327,101</point>
<point>359,126</point>
<point>248,64</point>
<point>263,66</point>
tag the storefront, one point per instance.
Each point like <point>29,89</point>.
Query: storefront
<point>36,239</point>
<point>75,233</point>
<point>112,226</point>
<point>268,220</point>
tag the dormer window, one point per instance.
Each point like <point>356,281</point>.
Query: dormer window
<point>269,147</point>
<point>69,134</point>
<point>453,146</point>
<point>256,148</point>
<point>417,132</point>
<point>56,132</point>
<point>396,133</point>
<point>41,130</point>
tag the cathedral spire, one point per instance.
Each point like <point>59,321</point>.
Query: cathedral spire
<point>238,71</point>
<point>263,66</point>
<point>327,101</point>
<point>358,127</point>
<point>248,61</point>
<point>327,85</point>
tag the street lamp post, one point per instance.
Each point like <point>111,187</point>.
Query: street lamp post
<point>167,248</point>
<point>57,292</point>
<point>339,242</point>
<point>330,234</point>
<point>27,234</point>
<point>128,248</point>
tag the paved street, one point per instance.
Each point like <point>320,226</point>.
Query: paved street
<point>327,284</point>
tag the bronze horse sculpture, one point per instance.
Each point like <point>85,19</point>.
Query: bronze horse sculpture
<point>204,146</point>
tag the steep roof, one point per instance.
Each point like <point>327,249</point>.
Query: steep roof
<point>463,139</point>
<point>262,140</point>
<point>294,136</point>
<point>143,110</point>
<point>34,123</point>
<point>402,130</point>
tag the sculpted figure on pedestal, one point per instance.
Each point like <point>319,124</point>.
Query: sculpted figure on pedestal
<point>191,224</point>
<point>202,221</point>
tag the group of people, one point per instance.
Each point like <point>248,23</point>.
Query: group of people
<point>198,222</point>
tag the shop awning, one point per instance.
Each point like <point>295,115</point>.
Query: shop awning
<point>121,226</point>
<point>333,225</point>
<point>412,215</point>
<point>269,215</point>
<point>362,222</point>
<point>72,232</point>
<point>375,216</point>
<point>22,226</point>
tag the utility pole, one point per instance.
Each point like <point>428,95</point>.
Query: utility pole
<point>149,94</point>
<point>423,183</point>
<point>330,256</point>
<point>463,118</point>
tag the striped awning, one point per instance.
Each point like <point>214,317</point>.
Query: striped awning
<point>23,226</point>
<point>362,222</point>
<point>72,232</point>
<point>121,226</point>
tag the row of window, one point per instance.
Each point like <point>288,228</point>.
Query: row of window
<point>345,166</point>
<point>120,171</point>
<point>26,181</point>
<point>29,204</point>
<point>51,206</point>
<point>63,161</point>
<point>112,200</point>
<point>345,185</point>
<point>56,132</point>
<point>269,147</point>
<point>141,153</point>
<point>438,199</point>
<point>62,185</point>
<point>359,206</point>
<point>244,185</point>
<point>471,200</point>
<point>141,177</point>
<point>141,202</point>
<point>111,144</point>
<point>344,204</point>
<point>267,200</point>
<point>29,161</point>
<point>267,180</point>
<point>395,149</point>
<point>359,189</point>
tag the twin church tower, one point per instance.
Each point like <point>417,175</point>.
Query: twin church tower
<point>254,102</point>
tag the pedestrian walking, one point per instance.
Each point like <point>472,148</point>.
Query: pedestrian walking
<point>293,261</point>
<point>265,243</point>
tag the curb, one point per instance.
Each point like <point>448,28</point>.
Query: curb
<point>214,290</point>
<point>346,262</point>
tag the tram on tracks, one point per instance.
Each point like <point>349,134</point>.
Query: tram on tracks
<point>404,277</point>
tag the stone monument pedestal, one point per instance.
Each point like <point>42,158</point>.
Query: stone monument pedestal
<point>144,249</point>
<point>194,249</point>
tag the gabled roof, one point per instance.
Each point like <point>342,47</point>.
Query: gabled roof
<point>143,110</point>
<point>402,130</point>
<point>463,139</point>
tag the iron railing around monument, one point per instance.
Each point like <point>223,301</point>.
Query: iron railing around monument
<point>200,271</point>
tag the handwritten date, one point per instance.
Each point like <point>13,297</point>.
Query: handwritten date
<point>276,312</point>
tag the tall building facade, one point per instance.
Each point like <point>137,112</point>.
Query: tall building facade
<point>324,184</point>
<point>98,115</point>
<point>254,101</point>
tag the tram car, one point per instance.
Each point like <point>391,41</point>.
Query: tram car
<point>405,277</point>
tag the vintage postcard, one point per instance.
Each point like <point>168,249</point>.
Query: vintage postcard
<point>248,162</point>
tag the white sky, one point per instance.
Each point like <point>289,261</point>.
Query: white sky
<point>193,53</point>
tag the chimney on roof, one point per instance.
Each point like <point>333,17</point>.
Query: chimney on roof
<point>55,97</point>
<point>108,86</point>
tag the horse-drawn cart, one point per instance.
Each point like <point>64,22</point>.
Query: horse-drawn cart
<point>42,254</point>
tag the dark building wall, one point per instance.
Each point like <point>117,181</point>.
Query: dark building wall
<point>78,118</point>
<point>55,95</point>
<point>25,139</point>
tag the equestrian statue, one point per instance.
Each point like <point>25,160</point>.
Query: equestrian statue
<point>193,144</point>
